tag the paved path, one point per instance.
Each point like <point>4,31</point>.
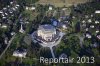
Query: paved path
<point>52,52</point>
<point>81,40</point>
<point>7,46</point>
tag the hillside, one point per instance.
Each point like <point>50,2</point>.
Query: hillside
<point>60,3</point>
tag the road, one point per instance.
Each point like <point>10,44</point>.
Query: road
<point>81,40</point>
<point>52,52</point>
<point>7,46</point>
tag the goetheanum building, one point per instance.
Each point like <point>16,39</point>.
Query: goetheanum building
<point>46,35</point>
<point>46,32</point>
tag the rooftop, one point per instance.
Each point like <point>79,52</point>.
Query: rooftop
<point>46,28</point>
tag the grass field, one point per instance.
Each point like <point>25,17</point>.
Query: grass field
<point>60,3</point>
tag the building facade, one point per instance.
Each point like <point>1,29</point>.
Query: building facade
<point>46,32</point>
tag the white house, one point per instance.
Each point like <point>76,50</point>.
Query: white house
<point>63,55</point>
<point>88,35</point>
<point>98,36</point>
<point>20,53</point>
<point>97,11</point>
<point>50,8</point>
<point>4,26</point>
<point>30,8</point>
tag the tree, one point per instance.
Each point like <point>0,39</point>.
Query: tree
<point>73,41</point>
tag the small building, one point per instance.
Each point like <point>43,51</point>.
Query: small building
<point>83,21</point>
<point>86,16</point>
<point>87,29</point>
<point>26,8</point>
<point>97,11</point>
<point>96,22</point>
<point>20,52</point>
<point>98,36</point>
<point>2,14</point>
<point>89,20</point>
<point>88,35</point>
<point>4,17</point>
<point>4,8</point>
<point>94,45</point>
<point>4,26</point>
<point>11,2</point>
<point>91,15</point>
<point>50,8</point>
<point>14,9</point>
<point>1,11</point>
<point>63,55</point>
<point>97,31</point>
<point>17,5</point>
<point>12,33</point>
<point>63,25</point>
<point>92,26</point>
<point>8,6</point>
<point>54,22</point>
<point>66,11</point>
<point>6,14</point>
<point>30,8</point>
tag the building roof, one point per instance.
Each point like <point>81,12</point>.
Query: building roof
<point>50,7</point>
<point>97,11</point>
<point>54,22</point>
<point>20,52</point>
<point>98,36</point>
<point>63,55</point>
<point>88,35</point>
<point>47,28</point>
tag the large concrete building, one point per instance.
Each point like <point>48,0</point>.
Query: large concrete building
<point>46,32</point>
<point>47,35</point>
